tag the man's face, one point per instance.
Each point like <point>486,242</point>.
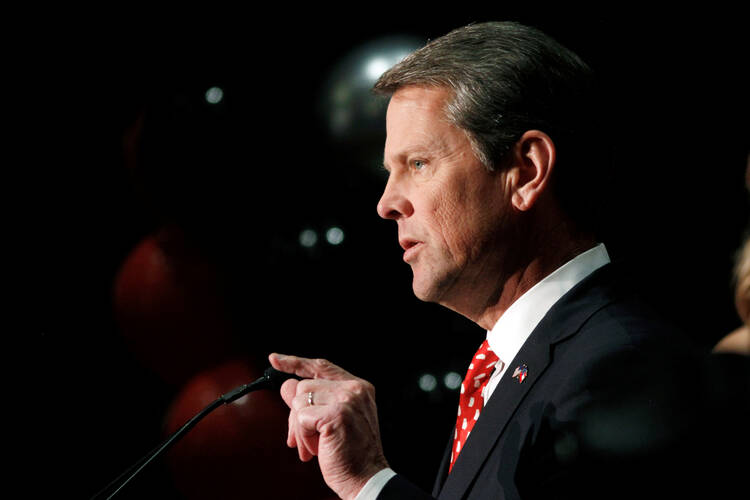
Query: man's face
<point>451,211</point>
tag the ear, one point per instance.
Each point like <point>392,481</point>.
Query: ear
<point>534,157</point>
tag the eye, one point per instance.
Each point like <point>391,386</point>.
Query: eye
<point>418,164</point>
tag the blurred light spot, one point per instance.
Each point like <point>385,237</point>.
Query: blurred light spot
<point>335,235</point>
<point>427,382</point>
<point>452,380</point>
<point>376,67</point>
<point>214,95</point>
<point>308,238</point>
<point>340,118</point>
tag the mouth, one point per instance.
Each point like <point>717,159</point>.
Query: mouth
<point>411,247</point>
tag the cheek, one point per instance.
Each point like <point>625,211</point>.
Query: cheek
<point>452,220</point>
<point>468,220</point>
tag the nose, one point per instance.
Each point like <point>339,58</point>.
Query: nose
<point>394,204</point>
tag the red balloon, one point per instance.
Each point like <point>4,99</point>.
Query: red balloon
<point>168,303</point>
<point>239,450</point>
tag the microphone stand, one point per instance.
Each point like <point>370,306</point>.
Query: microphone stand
<point>271,379</point>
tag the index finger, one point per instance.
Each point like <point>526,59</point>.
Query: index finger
<point>308,368</point>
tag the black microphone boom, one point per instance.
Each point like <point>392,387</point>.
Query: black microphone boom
<point>271,379</point>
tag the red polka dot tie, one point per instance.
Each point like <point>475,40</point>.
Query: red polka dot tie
<point>471,401</point>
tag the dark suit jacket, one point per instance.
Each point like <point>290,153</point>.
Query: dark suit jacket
<point>568,421</point>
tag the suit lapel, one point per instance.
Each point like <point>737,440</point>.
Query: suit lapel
<point>562,321</point>
<point>495,417</point>
<point>444,464</point>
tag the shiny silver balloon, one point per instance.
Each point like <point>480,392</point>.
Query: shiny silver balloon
<point>351,112</point>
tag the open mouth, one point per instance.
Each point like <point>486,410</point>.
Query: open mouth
<point>410,247</point>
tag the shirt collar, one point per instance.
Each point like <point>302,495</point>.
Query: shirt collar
<point>519,320</point>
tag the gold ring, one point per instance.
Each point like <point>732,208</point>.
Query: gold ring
<point>310,401</point>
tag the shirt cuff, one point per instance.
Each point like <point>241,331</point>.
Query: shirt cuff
<point>375,485</point>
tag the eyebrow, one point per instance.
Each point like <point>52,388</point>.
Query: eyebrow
<point>419,150</point>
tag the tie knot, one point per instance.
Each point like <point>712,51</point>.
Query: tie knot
<point>480,368</point>
<point>484,357</point>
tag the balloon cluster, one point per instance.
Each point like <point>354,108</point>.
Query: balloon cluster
<point>187,158</point>
<point>170,304</point>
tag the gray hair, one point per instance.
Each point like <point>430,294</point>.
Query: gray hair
<point>506,78</point>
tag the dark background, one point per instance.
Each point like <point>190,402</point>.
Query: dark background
<point>123,144</point>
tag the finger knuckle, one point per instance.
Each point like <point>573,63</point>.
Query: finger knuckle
<point>360,387</point>
<point>353,392</point>
<point>303,386</point>
<point>346,398</point>
<point>367,386</point>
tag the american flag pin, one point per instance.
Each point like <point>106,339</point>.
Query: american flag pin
<point>520,373</point>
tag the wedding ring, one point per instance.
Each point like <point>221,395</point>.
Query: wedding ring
<point>310,401</point>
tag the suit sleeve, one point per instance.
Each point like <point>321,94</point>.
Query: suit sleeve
<point>400,488</point>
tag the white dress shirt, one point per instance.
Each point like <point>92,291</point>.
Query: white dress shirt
<point>515,325</point>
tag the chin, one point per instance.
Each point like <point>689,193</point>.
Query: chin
<point>422,289</point>
<point>429,288</point>
<point>421,295</point>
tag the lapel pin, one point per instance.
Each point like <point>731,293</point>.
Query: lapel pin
<point>520,373</point>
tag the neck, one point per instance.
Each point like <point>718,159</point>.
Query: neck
<point>523,279</point>
<point>531,261</point>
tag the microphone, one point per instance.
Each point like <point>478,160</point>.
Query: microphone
<point>271,379</point>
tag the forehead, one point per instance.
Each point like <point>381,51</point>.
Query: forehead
<point>417,103</point>
<point>416,120</point>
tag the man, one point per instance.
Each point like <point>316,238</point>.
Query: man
<point>492,157</point>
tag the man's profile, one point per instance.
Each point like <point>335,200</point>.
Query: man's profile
<point>493,159</point>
